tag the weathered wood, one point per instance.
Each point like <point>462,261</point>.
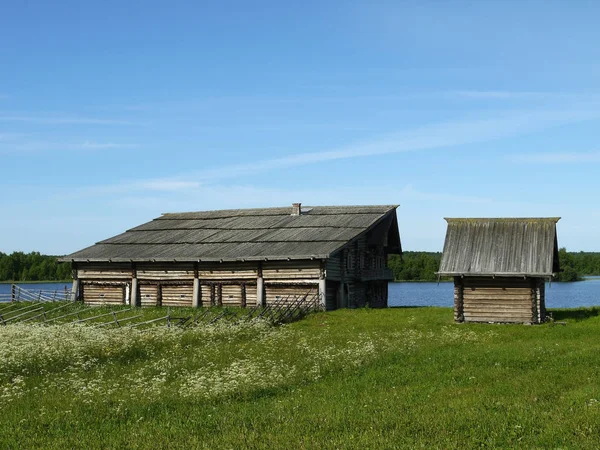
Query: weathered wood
<point>498,299</point>
<point>322,286</point>
<point>134,300</point>
<point>110,274</point>
<point>291,270</point>
<point>176,295</point>
<point>225,271</point>
<point>498,317</point>
<point>76,290</point>
<point>281,293</point>
<point>334,269</point>
<point>260,290</point>
<point>521,299</point>
<point>148,294</point>
<point>196,294</point>
<point>95,293</point>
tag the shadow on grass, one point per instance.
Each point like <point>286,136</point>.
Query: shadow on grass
<point>575,314</point>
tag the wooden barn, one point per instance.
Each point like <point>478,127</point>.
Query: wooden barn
<point>244,257</point>
<point>499,267</point>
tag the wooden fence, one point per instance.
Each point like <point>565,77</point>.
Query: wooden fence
<point>19,294</point>
<point>33,307</point>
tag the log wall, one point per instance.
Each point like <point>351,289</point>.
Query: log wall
<point>148,295</point>
<point>235,283</point>
<point>165,271</point>
<point>506,300</point>
<point>102,293</point>
<point>288,293</point>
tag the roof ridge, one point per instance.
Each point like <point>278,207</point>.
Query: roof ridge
<point>500,219</point>
<point>389,207</point>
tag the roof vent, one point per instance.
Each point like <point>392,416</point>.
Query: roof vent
<point>296,209</point>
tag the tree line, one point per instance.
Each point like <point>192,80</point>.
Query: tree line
<point>34,266</point>
<point>422,266</point>
<point>412,266</point>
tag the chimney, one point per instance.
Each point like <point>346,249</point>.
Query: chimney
<point>296,209</point>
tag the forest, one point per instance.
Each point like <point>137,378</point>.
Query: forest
<point>422,266</point>
<point>34,266</point>
<point>412,266</point>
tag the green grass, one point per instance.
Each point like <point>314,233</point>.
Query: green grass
<point>396,378</point>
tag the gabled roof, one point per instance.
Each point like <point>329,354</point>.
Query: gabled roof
<point>500,247</point>
<point>245,234</point>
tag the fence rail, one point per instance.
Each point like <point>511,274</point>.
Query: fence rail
<point>21,294</point>
<point>39,307</point>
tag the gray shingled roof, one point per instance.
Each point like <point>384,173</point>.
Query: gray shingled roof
<point>501,247</point>
<point>243,234</point>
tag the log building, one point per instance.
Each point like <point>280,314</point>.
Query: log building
<point>500,267</point>
<point>244,257</point>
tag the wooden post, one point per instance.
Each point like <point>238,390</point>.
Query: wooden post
<point>135,300</point>
<point>322,286</point>
<point>13,293</point>
<point>197,289</point>
<point>260,287</point>
<point>459,315</point>
<point>542,298</point>
<point>243,295</point>
<point>75,290</point>
<point>196,302</point>
<point>134,294</point>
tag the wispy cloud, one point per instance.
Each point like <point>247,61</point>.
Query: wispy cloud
<point>89,145</point>
<point>9,136</point>
<point>557,158</point>
<point>8,146</point>
<point>410,192</point>
<point>166,185</point>
<point>64,120</point>
<point>438,136</point>
<point>508,95</point>
<point>449,135</point>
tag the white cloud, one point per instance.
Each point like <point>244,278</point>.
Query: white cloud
<point>557,158</point>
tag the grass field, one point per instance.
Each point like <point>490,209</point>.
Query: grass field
<point>396,378</point>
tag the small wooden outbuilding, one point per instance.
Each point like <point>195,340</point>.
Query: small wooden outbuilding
<point>500,267</point>
<point>244,257</point>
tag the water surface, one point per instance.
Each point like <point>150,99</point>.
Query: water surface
<point>558,295</point>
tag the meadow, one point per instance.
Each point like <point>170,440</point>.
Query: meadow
<point>391,378</point>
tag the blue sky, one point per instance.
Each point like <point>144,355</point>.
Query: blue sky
<point>112,113</point>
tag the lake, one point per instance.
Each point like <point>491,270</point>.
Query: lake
<point>558,295</point>
<point>5,288</point>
